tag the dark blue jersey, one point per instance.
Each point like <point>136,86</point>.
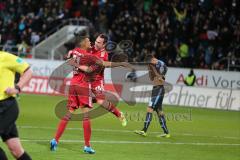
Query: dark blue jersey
<point>161,67</point>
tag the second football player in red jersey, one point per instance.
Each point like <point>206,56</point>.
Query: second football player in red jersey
<point>98,84</point>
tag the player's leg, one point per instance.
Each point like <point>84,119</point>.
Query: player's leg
<point>114,110</point>
<point>109,106</point>
<point>163,123</point>
<point>98,91</point>
<point>60,130</point>
<point>87,131</point>
<point>161,116</point>
<point>3,155</point>
<point>150,109</point>
<point>147,122</point>
<point>85,104</point>
<point>72,103</point>
<point>15,147</point>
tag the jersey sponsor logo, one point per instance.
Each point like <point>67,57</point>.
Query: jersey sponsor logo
<point>19,60</point>
<point>99,89</point>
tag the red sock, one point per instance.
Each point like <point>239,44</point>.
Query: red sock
<point>61,127</point>
<point>114,110</point>
<point>87,131</point>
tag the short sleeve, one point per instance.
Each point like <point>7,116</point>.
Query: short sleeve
<point>16,63</point>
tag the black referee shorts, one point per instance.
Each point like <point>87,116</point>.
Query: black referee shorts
<point>157,98</point>
<point>8,116</point>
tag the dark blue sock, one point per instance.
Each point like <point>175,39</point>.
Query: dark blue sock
<point>163,124</point>
<point>147,121</point>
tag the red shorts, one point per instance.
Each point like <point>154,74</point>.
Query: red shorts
<point>98,89</point>
<point>79,96</point>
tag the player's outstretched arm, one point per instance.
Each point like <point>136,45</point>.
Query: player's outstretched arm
<point>117,64</point>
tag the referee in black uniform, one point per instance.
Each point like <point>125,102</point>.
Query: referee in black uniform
<point>9,66</point>
<point>157,71</point>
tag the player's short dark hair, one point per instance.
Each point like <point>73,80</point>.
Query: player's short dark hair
<point>104,37</point>
<point>80,36</point>
<point>148,58</point>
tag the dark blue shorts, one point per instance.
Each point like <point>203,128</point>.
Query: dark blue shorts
<point>157,98</point>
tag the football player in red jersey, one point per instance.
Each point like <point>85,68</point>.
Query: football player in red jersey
<point>79,91</point>
<point>98,84</point>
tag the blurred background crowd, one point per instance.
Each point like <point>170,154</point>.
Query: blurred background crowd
<point>183,33</point>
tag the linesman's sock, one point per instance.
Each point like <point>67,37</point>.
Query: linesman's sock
<point>147,121</point>
<point>24,156</point>
<point>3,155</point>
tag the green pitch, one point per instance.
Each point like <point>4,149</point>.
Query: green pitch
<point>195,134</point>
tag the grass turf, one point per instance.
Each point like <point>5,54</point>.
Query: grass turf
<point>195,134</point>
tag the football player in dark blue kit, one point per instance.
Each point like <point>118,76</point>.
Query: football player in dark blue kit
<point>157,71</point>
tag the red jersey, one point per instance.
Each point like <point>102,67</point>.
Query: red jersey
<point>103,55</point>
<point>82,57</point>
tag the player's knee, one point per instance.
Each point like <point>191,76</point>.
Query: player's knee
<point>161,113</point>
<point>67,117</point>
<point>100,101</point>
<point>149,109</point>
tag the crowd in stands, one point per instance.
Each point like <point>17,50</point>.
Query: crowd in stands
<point>183,33</point>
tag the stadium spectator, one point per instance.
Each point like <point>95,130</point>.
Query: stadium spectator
<point>190,79</point>
<point>209,28</point>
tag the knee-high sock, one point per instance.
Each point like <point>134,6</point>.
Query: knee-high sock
<point>3,154</point>
<point>147,121</point>
<point>61,127</point>
<point>87,131</point>
<point>111,108</point>
<point>163,124</point>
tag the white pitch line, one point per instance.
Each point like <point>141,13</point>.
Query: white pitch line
<point>137,142</point>
<point>128,131</point>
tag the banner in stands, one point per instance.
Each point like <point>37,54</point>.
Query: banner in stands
<point>175,76</point>
<point>40,85</point>
<point>201,97</point>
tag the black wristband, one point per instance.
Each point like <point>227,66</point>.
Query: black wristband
<point>18,88</point>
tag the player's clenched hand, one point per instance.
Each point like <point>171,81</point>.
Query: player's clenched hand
<point>11,91</point>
